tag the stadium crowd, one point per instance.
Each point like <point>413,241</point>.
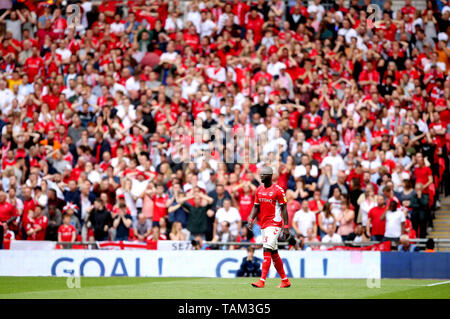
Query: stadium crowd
<point>101,109</point>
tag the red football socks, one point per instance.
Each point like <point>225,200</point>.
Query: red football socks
<point>266,265</point>
<point>278,263</point>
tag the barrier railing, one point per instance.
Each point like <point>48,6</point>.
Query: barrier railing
<point>419,242</point>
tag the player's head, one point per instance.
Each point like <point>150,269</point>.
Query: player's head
<point>266,174</point>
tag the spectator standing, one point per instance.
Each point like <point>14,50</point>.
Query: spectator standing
<point>292,206</point>
<point>54,222</point>
<point>229,214</point>
<point>345,220</point>
<point>376,227</point>
<point>395,222</point>
<point>420,210</point>
<point>367,200</point>
<point>176,212</point>
<point>197,218</point>
<point>122,223</point>
<point>304,219</point>
<point>336,203</point>
<point>159,202</point>
<point>36,225</point>
<point>100,219</point>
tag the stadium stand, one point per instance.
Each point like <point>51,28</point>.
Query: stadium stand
<point>148,120</point>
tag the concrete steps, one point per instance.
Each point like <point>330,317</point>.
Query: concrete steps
<point>441,223</point>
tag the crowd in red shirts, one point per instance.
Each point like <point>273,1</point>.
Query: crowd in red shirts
<point>123,110</point>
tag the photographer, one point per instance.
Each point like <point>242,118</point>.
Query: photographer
<point>298,243</point>
<point>197,243</point>
<point>250,266</point>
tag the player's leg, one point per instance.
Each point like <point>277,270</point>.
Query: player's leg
<point>278,263</point>
<point>268,245</point>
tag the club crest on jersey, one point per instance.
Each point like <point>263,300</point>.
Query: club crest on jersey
<point>271,193</point>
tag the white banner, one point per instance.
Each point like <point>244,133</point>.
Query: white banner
<point>174,245</point>
<point>32,245</point>
<point>148,263</point>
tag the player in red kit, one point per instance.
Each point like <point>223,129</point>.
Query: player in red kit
<point>270,209</point>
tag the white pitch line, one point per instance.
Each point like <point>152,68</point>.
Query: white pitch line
<point>439,283</point>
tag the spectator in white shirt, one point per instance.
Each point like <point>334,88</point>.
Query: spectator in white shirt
<point>117,26</point>
<point>173,22</point>
<point>6,97</point>
<point>333,159</point>
<point>300,170</point>
<point>170,55</point>
<point>395,222</point>
<point>304,219</point>
<point>336,203</point>
<point>207,26</point>
<point>318,8</point>
<point>229,214</point>
<point>64,51</point>
<point>133,83</point>
<point>194,16</point>
<point>331,237</point>
<point>274,65</point>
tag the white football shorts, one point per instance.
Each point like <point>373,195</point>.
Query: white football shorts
<point>270,237</point>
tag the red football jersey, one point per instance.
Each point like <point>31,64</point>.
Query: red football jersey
<point>269,200</point>
<point>66,232</point>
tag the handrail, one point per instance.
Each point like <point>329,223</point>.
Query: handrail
<point>420,242</point>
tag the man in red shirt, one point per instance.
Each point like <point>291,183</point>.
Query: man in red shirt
<point>28,204</point>
<point>59,25</point>
<point>159,204</point>
<point>375,227</point>
<point>7,211</point>
<point>34,65</point>
<point>270,208</point>
<point>255,23</point>
<point>369,77</point>
<point>36,226</point>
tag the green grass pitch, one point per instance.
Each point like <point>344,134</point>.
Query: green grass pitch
<point>217,288</point>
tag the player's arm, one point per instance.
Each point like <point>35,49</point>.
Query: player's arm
<point>284,214</point>
<point>253,215</point>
